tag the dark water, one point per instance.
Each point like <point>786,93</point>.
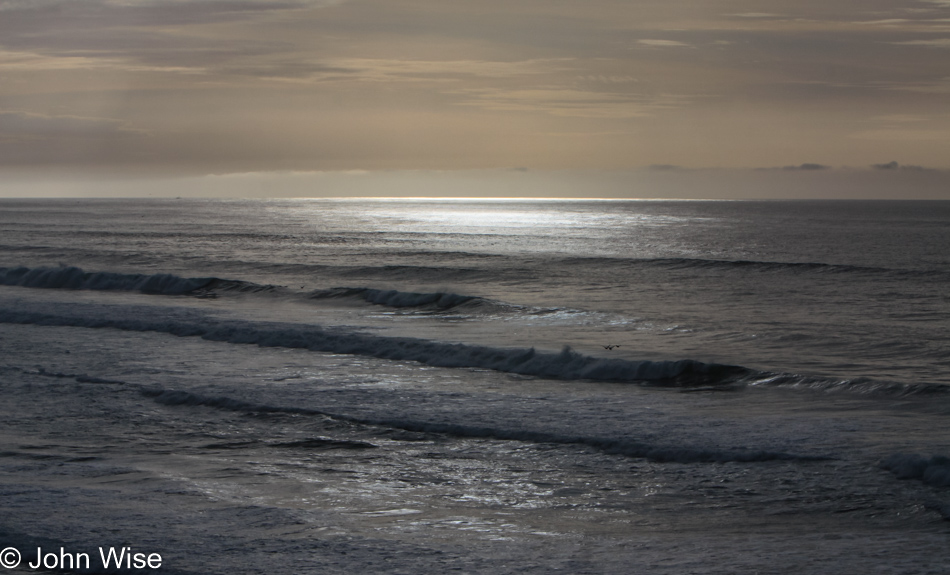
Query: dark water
<point>393,386</point>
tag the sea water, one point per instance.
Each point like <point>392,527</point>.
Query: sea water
<point>485,386</point>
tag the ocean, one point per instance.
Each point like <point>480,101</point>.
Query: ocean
<point>475,386</point>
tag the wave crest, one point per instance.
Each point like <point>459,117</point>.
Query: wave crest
<point>568,364</point>
<point>932,471</point>
<point>71,277</point>
<point>399,299</point>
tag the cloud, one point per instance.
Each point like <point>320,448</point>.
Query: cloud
<point>902,118</point>
<point>169,34</point>
<point>887,166</point>
<point>387,70</point>
<point>205,5</point>
<point>903,135</point>
<point>939,86</point>
<point>11,5</point>
<point>124,27</point>
<point>564,102</point>
<point>886,22</point>
<point>757,15</point>
<point>17,125</point>
<point>31,61</point>
<point>20,60</point>
<point>807,167</point>
<point>935,43</point>
<point>449,74</point>
<point>662,43</point>
<point>896,166</point>
<point>285,84</point>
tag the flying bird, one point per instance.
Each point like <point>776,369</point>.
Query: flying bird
<point>610,347</point>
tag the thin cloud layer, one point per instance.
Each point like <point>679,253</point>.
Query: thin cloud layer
<point>199,86</point>
<point>22,125</point>
<point>661,43</point>
<point>808,167</point>
<point>934,43</point>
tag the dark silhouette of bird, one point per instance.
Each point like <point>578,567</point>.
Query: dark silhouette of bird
<point>610,347</point>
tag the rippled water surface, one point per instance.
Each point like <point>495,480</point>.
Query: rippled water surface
<point>311,386</point>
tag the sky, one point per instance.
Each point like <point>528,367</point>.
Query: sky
<point>603,98</point>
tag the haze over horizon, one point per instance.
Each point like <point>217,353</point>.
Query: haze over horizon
<point>604,98</point>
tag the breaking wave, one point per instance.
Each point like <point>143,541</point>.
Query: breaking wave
<point>394,298</point>
<point>69,277</point>
<point>862,385</point>
<point>568,364</point>
<point>932,471</point>
<point>441,301</point>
